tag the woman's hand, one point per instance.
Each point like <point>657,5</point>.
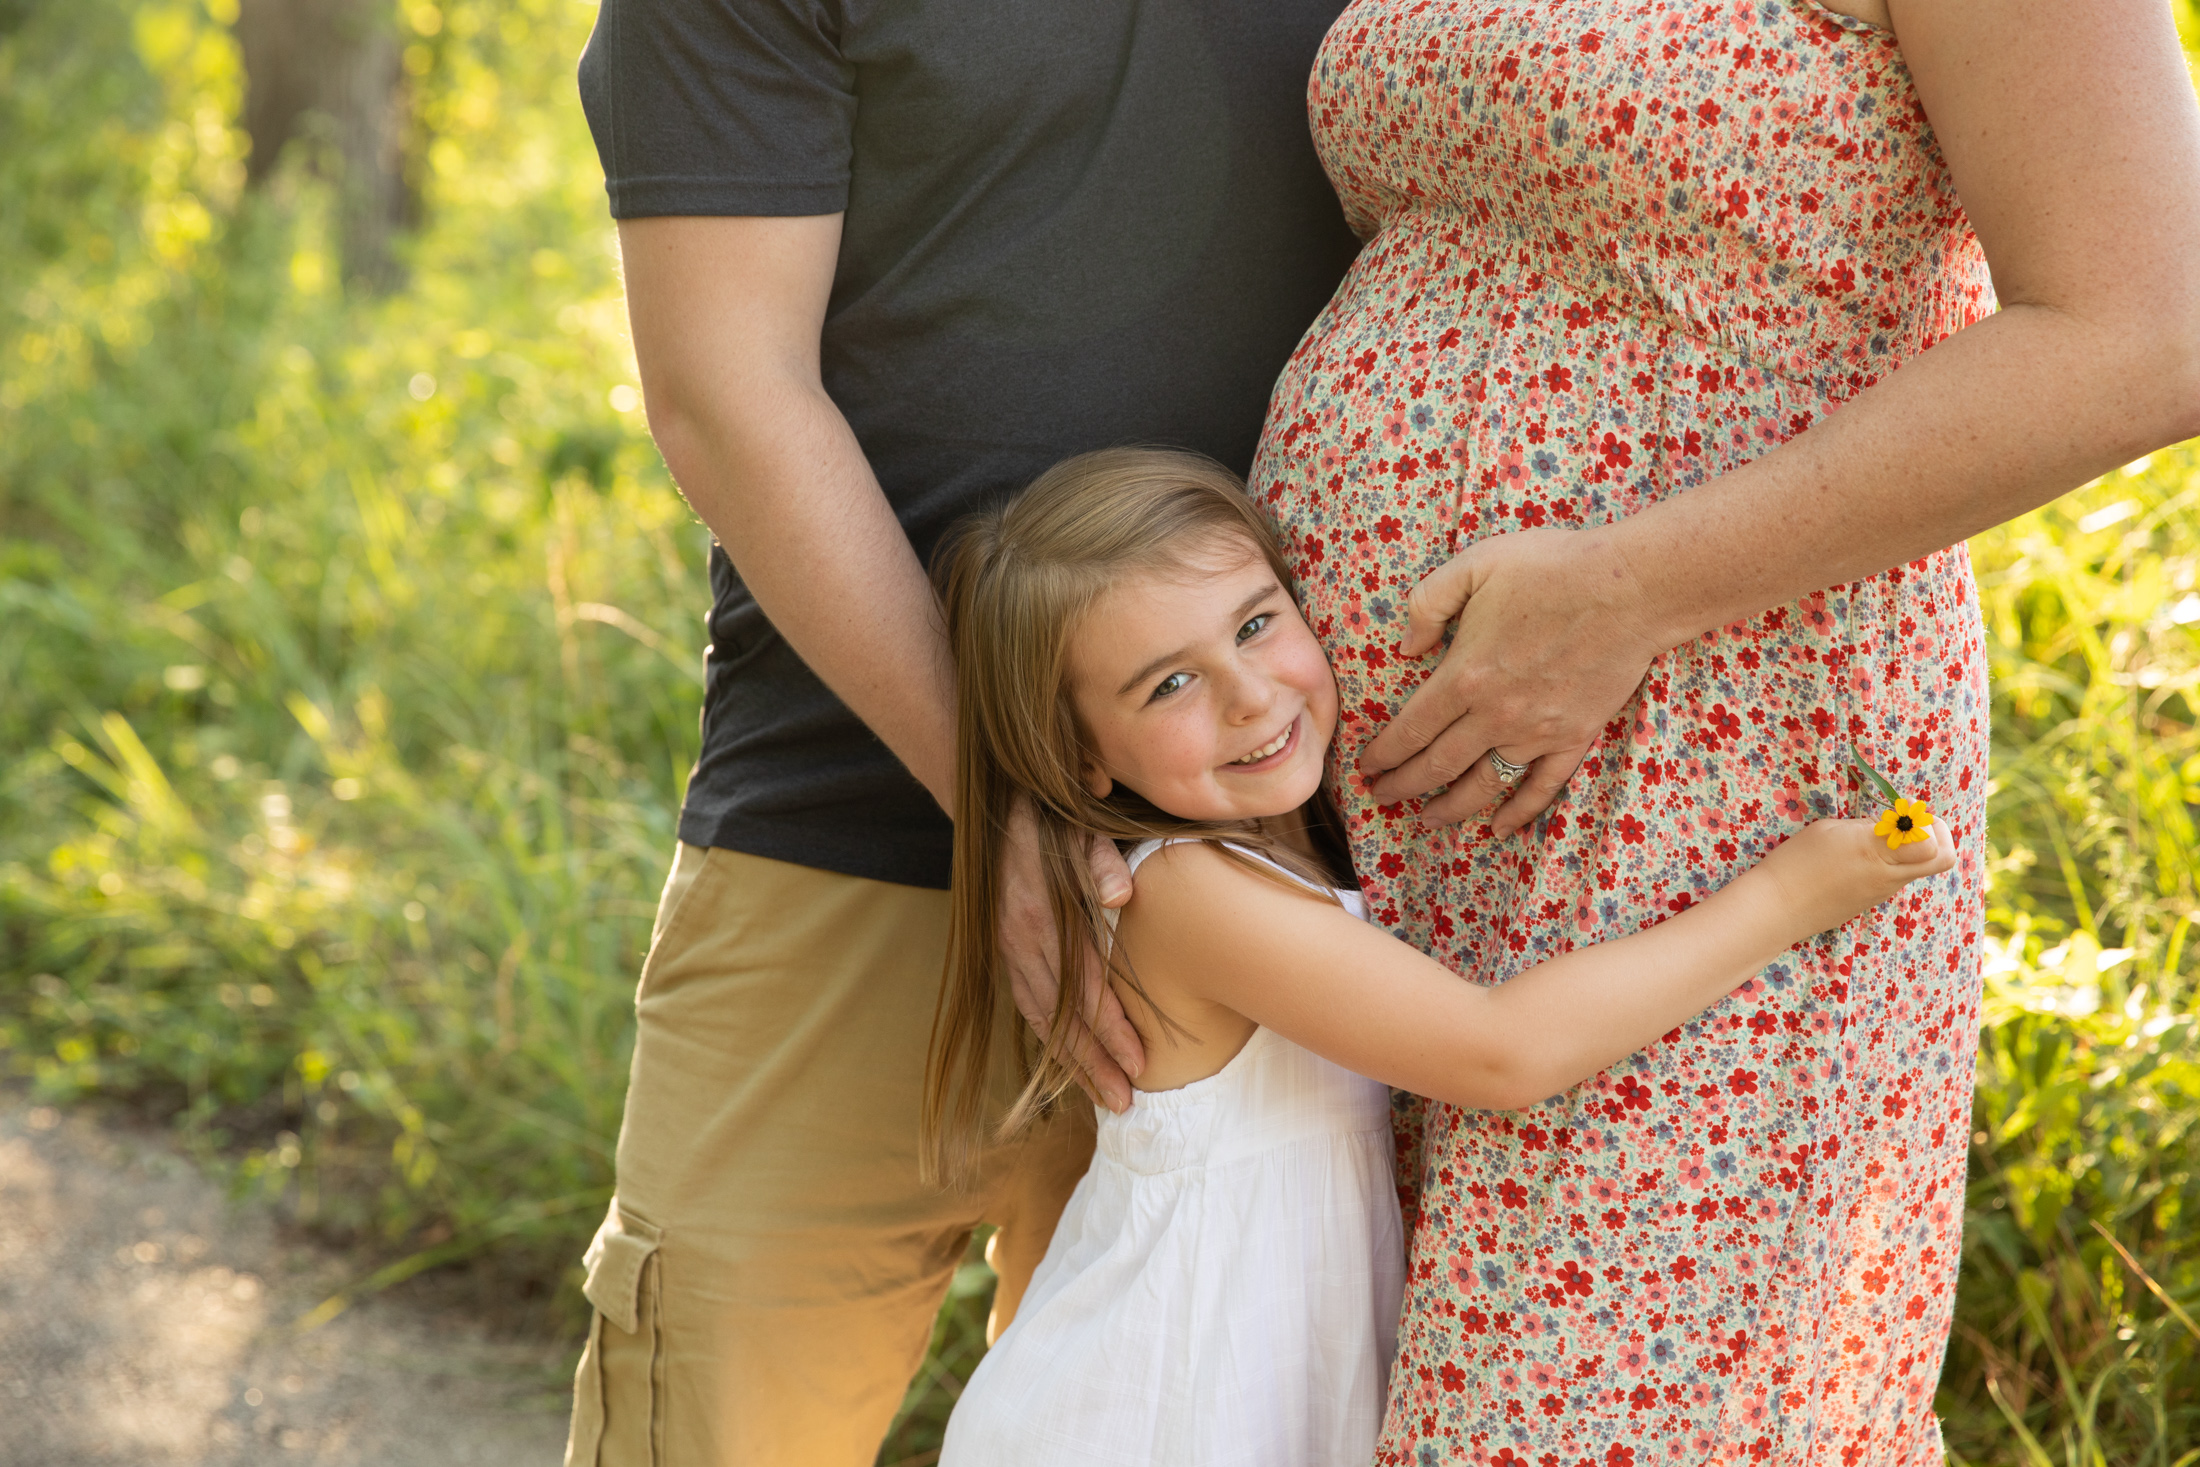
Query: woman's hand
<point>1554,637</point>
<point>1104,1050</point>
<point>2076,152</point>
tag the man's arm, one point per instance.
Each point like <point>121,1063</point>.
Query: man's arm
<point>727,315</point>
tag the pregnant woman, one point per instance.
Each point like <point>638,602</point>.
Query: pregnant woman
<point>1671,370</point>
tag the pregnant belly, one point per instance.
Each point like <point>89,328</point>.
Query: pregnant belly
<point>1397,437</point>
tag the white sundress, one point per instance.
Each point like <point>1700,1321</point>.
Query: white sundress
<point>1223,1288</point>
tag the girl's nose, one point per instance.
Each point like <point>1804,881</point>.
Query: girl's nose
<point>1250,697</point>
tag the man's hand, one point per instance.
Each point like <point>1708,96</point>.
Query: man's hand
<point>1553,639</point>
<point>1103,1048</point>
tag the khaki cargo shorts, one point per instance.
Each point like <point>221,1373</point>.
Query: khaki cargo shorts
<point>766,1280</point>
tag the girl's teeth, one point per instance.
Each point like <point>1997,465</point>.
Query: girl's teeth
<point>1259,754</point>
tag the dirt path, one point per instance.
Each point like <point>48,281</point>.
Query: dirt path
<point>146,1322</point>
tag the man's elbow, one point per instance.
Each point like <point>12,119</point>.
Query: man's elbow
<point>703,418</point>
<point>700,436</point>
<point>674,424</point>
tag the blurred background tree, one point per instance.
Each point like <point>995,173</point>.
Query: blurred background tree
<point>349,669</point>
<point>332,71</point>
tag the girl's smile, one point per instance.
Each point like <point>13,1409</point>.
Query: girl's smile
<point>1282,743</point>
<point>1203,689</point>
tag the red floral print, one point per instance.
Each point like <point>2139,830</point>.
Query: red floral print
<point>1613,250</point>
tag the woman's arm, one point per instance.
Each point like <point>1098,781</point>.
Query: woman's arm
<point>2074,141</point>
<point>1202,927</point>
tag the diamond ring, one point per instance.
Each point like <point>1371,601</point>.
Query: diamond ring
<point>1508,773</point>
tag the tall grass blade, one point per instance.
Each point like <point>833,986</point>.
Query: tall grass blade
<point>2177,1310</point>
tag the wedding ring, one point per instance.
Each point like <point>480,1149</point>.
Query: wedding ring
<point>1508,773</point>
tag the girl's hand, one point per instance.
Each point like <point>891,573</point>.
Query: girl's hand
<point>1833,870</point>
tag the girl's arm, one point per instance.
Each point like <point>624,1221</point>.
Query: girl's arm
<point>1201,927</point>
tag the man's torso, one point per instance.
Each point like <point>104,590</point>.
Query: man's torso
<point>1066,227</point>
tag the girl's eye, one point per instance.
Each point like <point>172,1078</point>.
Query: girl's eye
<point>1254,627</point>
<point>1174,682</point>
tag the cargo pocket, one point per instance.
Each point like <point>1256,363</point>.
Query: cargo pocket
<point>618,1392</point>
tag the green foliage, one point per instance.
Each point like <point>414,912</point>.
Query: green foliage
<point>2086,1161</point>
<point>347,643</point>
<point>347,682</point>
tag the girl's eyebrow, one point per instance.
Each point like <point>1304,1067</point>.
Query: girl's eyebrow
<point>1244,607</point>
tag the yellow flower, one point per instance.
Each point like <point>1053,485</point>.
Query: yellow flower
<point>1908,821</point>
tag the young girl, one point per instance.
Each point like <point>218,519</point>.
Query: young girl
<point>1223,1287</point>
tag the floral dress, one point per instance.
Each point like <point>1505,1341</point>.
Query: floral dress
<point>1615,248</point>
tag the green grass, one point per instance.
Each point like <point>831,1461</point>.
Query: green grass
<point>348,677</point>
<point>2075,1340</point>
<point>349,644</point>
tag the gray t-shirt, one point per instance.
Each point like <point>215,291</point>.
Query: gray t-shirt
<point>1070,224</point>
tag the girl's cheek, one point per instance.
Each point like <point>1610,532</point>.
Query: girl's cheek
<point>1312,671</point>
<point>1168,751</point>
<point>1190,753</point>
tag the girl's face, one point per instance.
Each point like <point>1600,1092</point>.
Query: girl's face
<point>1204,691</point>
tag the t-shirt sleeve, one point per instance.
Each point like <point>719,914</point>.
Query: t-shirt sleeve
<point>720,106</point>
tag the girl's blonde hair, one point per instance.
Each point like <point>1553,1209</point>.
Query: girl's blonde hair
<point>1015,583</point>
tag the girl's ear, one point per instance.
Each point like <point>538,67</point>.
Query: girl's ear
<point>1097,783</point>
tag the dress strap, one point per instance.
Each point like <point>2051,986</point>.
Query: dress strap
<point>1143,849</point>
<point>1137,854</point>
<point>1853,23</point>
<point>1136,857</point>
